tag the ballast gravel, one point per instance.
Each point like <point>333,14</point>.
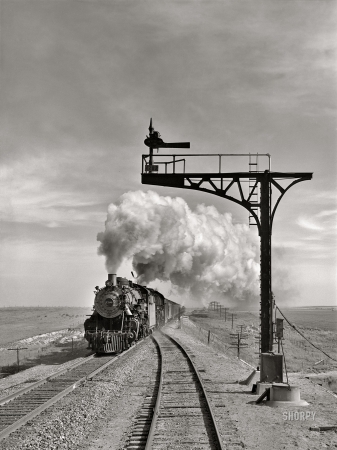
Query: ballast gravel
<point>18,381</point>
<point>70,423</point>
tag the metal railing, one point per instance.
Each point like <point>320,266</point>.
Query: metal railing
<point>181,158</point>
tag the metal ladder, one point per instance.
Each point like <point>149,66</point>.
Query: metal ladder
<point>255,196</point>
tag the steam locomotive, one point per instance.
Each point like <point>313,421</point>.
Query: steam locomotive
<point>125,312</point>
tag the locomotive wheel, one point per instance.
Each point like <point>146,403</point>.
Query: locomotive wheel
<point>131,337</point>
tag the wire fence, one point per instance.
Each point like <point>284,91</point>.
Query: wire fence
<point>300,356</point>
<point>248,354</point>
<point>30,349</point>
<point>303,357</point>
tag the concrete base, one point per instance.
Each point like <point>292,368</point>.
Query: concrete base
<point>252,379</point>
<point>285,404</point>
<point>261,387</point>
<point>282,395</point>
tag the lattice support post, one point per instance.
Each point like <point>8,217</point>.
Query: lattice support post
<point>265,236</point>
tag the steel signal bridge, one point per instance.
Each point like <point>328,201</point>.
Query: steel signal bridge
<point>252,190</point>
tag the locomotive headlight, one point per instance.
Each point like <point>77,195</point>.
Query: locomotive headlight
<point>109,302</point>
<point>108,283</point>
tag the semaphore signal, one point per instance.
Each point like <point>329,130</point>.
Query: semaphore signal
<point>221,183</point>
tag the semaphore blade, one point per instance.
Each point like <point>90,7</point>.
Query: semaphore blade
<point>175,145</point>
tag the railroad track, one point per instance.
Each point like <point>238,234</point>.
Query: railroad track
<point>20,407</point>
<point>177,414</point>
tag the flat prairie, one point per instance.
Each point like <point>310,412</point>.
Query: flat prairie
<point>314,354</point>
<point>22,323</point>
<point>323,318</point>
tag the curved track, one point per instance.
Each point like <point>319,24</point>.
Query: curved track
<point>20,407</point>
<point>181,416</point>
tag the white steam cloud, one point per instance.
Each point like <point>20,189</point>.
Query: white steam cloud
<point>202,253</point>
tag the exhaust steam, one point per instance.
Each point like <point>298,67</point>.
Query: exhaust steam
<point>201,252</point>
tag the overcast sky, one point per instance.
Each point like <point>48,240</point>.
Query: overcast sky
<point>80,80</point>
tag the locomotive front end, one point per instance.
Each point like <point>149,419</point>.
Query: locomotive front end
<point>119,317</point>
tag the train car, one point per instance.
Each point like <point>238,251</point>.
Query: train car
<point>124,312</point>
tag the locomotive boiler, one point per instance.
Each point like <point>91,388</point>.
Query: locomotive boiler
<point>124,312</point>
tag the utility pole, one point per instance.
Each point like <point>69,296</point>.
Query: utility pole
<point>222,308</point>
<point>220,183</point>
<point>241,328</point>
<point>236,341</point>
<point>212,304</point>
<point>17,349</point>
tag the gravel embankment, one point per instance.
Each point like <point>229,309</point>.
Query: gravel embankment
<point>251,426</point>
<point>72,422</point>
<point>26,378</point>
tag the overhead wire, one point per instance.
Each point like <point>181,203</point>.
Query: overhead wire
<point>304,337</point>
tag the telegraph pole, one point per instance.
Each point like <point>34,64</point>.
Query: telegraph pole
<point>219,183</point>
<point>17,349</point>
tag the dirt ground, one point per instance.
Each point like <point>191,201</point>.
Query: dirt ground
<point>69,346</point>
<point>39,333</point>
<point>261,426</point>
<point>22,323</point>
<point>300,356</point>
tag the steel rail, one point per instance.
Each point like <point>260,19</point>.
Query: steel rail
<point>35,412</point>
<point>150,437</point>
<point>157,407</point>
<point>217,432</point>
<point>10,397</point>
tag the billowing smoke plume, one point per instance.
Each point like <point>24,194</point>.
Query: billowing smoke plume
<point>202,253</point>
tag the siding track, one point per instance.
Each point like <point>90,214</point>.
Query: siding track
<point>20,407</point>
<point>181,417</point>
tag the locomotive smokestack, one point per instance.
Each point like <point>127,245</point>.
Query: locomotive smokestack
<point>112,278</point>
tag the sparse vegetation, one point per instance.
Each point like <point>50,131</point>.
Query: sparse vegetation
<point>299,354</point>
<point>22,323</point>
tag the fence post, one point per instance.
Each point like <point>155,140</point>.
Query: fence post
<point>209,336</point>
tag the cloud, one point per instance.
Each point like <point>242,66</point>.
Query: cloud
<point>323,221</point>
<point>327,213</point>
<point>29,193</point>
<point>308,224</point>
<point>316,239</point>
